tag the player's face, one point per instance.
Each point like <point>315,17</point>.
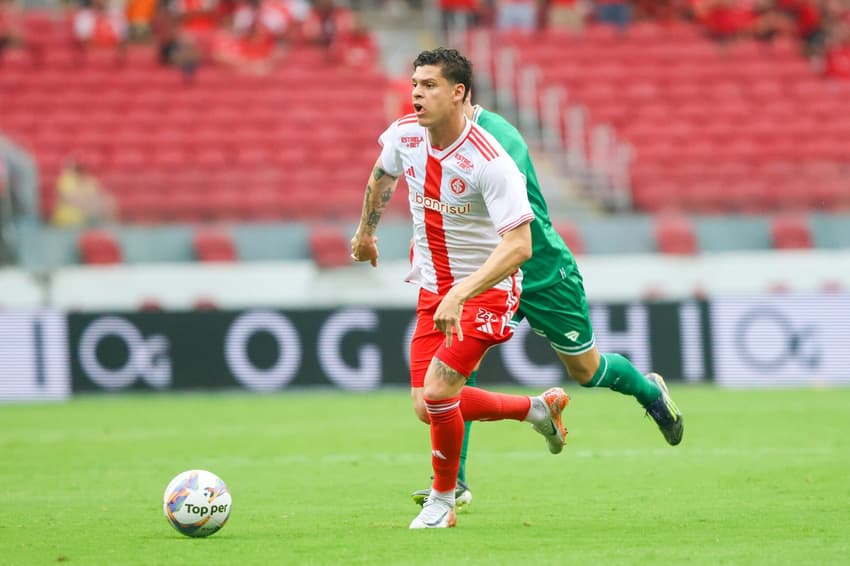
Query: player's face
<point>435,98</point>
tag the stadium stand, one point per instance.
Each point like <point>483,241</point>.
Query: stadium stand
<point>727,134</point>
<point>741,127</point>
<point>290,145</point>
<point>99,247</point>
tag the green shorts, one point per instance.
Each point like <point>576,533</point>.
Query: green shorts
<point>560,313</point>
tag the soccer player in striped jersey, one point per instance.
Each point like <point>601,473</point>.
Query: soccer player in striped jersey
<point>554,302</point>
<point>471,233</point>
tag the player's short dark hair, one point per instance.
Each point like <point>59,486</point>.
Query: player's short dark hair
<point>455,67</point>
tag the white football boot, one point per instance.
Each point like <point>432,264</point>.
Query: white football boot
<point>437,513</point>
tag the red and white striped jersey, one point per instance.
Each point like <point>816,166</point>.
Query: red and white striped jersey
<point>462,198</point>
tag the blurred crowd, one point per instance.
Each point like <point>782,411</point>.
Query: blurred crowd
<point>821,26</point>
<point>249,35</point>
<point>252,35</point>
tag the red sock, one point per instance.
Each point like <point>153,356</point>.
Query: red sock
<point>479,405</point>
<point>446,440</point>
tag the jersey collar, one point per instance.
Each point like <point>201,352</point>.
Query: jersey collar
<point>443,153</point>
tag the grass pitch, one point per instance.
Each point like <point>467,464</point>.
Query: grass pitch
<point>762,477</point>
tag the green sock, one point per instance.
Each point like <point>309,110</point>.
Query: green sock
<point>461,472</point>
<point>617,373</point>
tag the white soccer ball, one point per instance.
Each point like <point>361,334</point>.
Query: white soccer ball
<point>196,503</point>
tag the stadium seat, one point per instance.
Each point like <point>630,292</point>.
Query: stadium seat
<point>791,232</point>
<point>214,245</point>
<point>679,98</point>
<point>329,246</point>
<point>204,303</point>
<point>675,235</point>
<point>99,247</point>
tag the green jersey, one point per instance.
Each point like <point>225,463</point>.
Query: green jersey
<point>551,260</point>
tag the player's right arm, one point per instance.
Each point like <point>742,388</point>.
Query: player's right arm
<point>379,190</point>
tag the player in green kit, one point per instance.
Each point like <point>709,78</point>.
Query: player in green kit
<point>554,302</point>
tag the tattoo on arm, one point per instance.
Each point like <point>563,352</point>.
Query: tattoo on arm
<point>372,215</point>
<point>378,173</point>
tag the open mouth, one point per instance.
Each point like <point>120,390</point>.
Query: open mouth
<point>418,108</point>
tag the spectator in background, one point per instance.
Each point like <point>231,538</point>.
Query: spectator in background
<point>140,15</point>
<point>81,200</point>
<point>565,14</point>
<point>21,182</point>
<point>837,39</point>
<point>356,48</point>
<point>196,19</point>
<point>10,26</point>
<point>614,12</point>
<point>837,61</point>
<point>100,26</point>
<point>805,20</point>
<point>280,19</point>
<point>175,49</point>
<point>459,14</point>
<point>255,51</point>
<point>326,23</point>
<point>663,11</point>
<point>186,32</point>
<point>516,14</point>
<point>724,19</point>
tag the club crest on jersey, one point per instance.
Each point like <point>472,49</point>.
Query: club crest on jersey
<point>457,185</point>
<point>412,141</point>
<point>463,162</point>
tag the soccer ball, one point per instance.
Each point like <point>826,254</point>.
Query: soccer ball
<point>196,503</point>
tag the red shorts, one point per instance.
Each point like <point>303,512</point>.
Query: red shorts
<point>484,322</point>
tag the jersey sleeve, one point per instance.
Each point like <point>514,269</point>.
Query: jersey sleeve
<point>503,189</point>
<point>390,154</point>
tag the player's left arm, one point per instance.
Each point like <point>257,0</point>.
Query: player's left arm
<point>506,258</point>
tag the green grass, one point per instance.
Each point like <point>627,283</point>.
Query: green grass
<point>762,477</point>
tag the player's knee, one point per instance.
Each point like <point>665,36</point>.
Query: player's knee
<point>419,408</point>
<point>421,411</point>
<point>581,375</point>
<point>435,391</point>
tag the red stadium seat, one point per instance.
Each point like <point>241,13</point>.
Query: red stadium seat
<point>330,247</point>
<point>214,245</point>
<point>675,235</point>
<point>790,232</point>
<point>571,236</point>
<point>99,247</point>
<point>679,98</point>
